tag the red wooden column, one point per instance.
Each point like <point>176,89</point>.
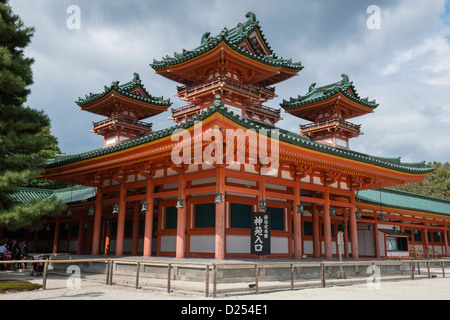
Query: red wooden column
<point>220,215</point>
<point>316,231</point>
<point>298,253</point>
<point>354,227</point>
<point>121,219</point>
<point>56,237</point>
<point>148,232</point>
<point>376,238</point>
<point>327,223</point>
<point>426,249</point>
<point>181,218</point>
<point>97,222</point>
<point>446,241</point>
<point>134,241</point>
<point>80,233</point>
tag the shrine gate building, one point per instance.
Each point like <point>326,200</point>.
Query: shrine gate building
<point>144,192</point>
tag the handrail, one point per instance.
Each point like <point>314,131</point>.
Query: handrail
<point>330,123</point>
<point>123,120</point>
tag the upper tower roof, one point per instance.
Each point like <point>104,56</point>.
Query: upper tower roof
<point>341,93</point>
<point>243,46</point>
<point>130,95</point>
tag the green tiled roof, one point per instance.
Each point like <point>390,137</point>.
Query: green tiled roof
<point>284,135</point>
<point>233,38</point>
<point>25,195</point>
<point>404,200</point>
<point>325,92</point>
<point>73,195</point>
<point>124,90</point>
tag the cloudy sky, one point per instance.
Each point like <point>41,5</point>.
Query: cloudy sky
<point>404,64</point>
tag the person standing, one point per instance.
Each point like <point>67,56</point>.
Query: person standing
<point>3,252</point>
<point>24,252</point>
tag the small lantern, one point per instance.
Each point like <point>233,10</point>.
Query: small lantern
<point>218,198</point>
<point>262,204</point>
<point>415,231</point>
<point>69,212</point>
<point>144,206</point>
<point>394,228</point>
<point>381,218</point>
<point>344,225</point>
<point>91,211</point>
<point>332,212</point>
<point>180,204</point>
<point>358,214</point>
<point>116,209</point>
<point>300,208</point>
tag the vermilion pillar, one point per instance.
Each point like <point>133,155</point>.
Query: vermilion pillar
<point>220,215</point>
<point>327,223</point>
<point>377,239</point>
<point>148,232</point>
<point>121,220</point>
<point>181,220</point>
<point>297,222</point>
<point>56,237</point>
<point>134,241</point>
<point>316,231</point>
<point>354,227</point>
<point>97,223</point>
<point>446,241</point>
<point>80,234</point>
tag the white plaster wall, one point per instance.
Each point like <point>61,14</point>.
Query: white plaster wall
<point>203,243</point>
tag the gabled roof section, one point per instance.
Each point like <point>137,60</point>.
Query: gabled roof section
<point>246,39</point>
<point>344,87</point>
<point>73,195</point>
<point>284,135</point>
<point>133,89</point>
<point>404,200</point>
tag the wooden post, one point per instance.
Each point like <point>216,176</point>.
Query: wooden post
<point>207,281</point>
<point>44,280</point>
<point>137,274</point>
<point>111,273</point>
<point>214,280</point>
<point>428,267</point>
<point>292,276</point>
<point>56,237</point>
<point>322,274</point>
<point>256,278</point>
<point>443,269</point>
<point>108,270</point>
<point>169,266</point>
<point>411,267</point>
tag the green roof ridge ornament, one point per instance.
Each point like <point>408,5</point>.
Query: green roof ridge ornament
<point>312,87</point>
<point>136,77</point>
<point>345,78</point>
<point>251,18</point>
<point>206,37</point>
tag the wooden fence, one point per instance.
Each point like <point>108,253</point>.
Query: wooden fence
<point>208,268</point>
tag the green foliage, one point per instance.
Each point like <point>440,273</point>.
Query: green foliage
<point>437,184</point>
<point>25,138</point>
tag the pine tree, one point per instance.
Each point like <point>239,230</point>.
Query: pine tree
<point>24,132</point>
